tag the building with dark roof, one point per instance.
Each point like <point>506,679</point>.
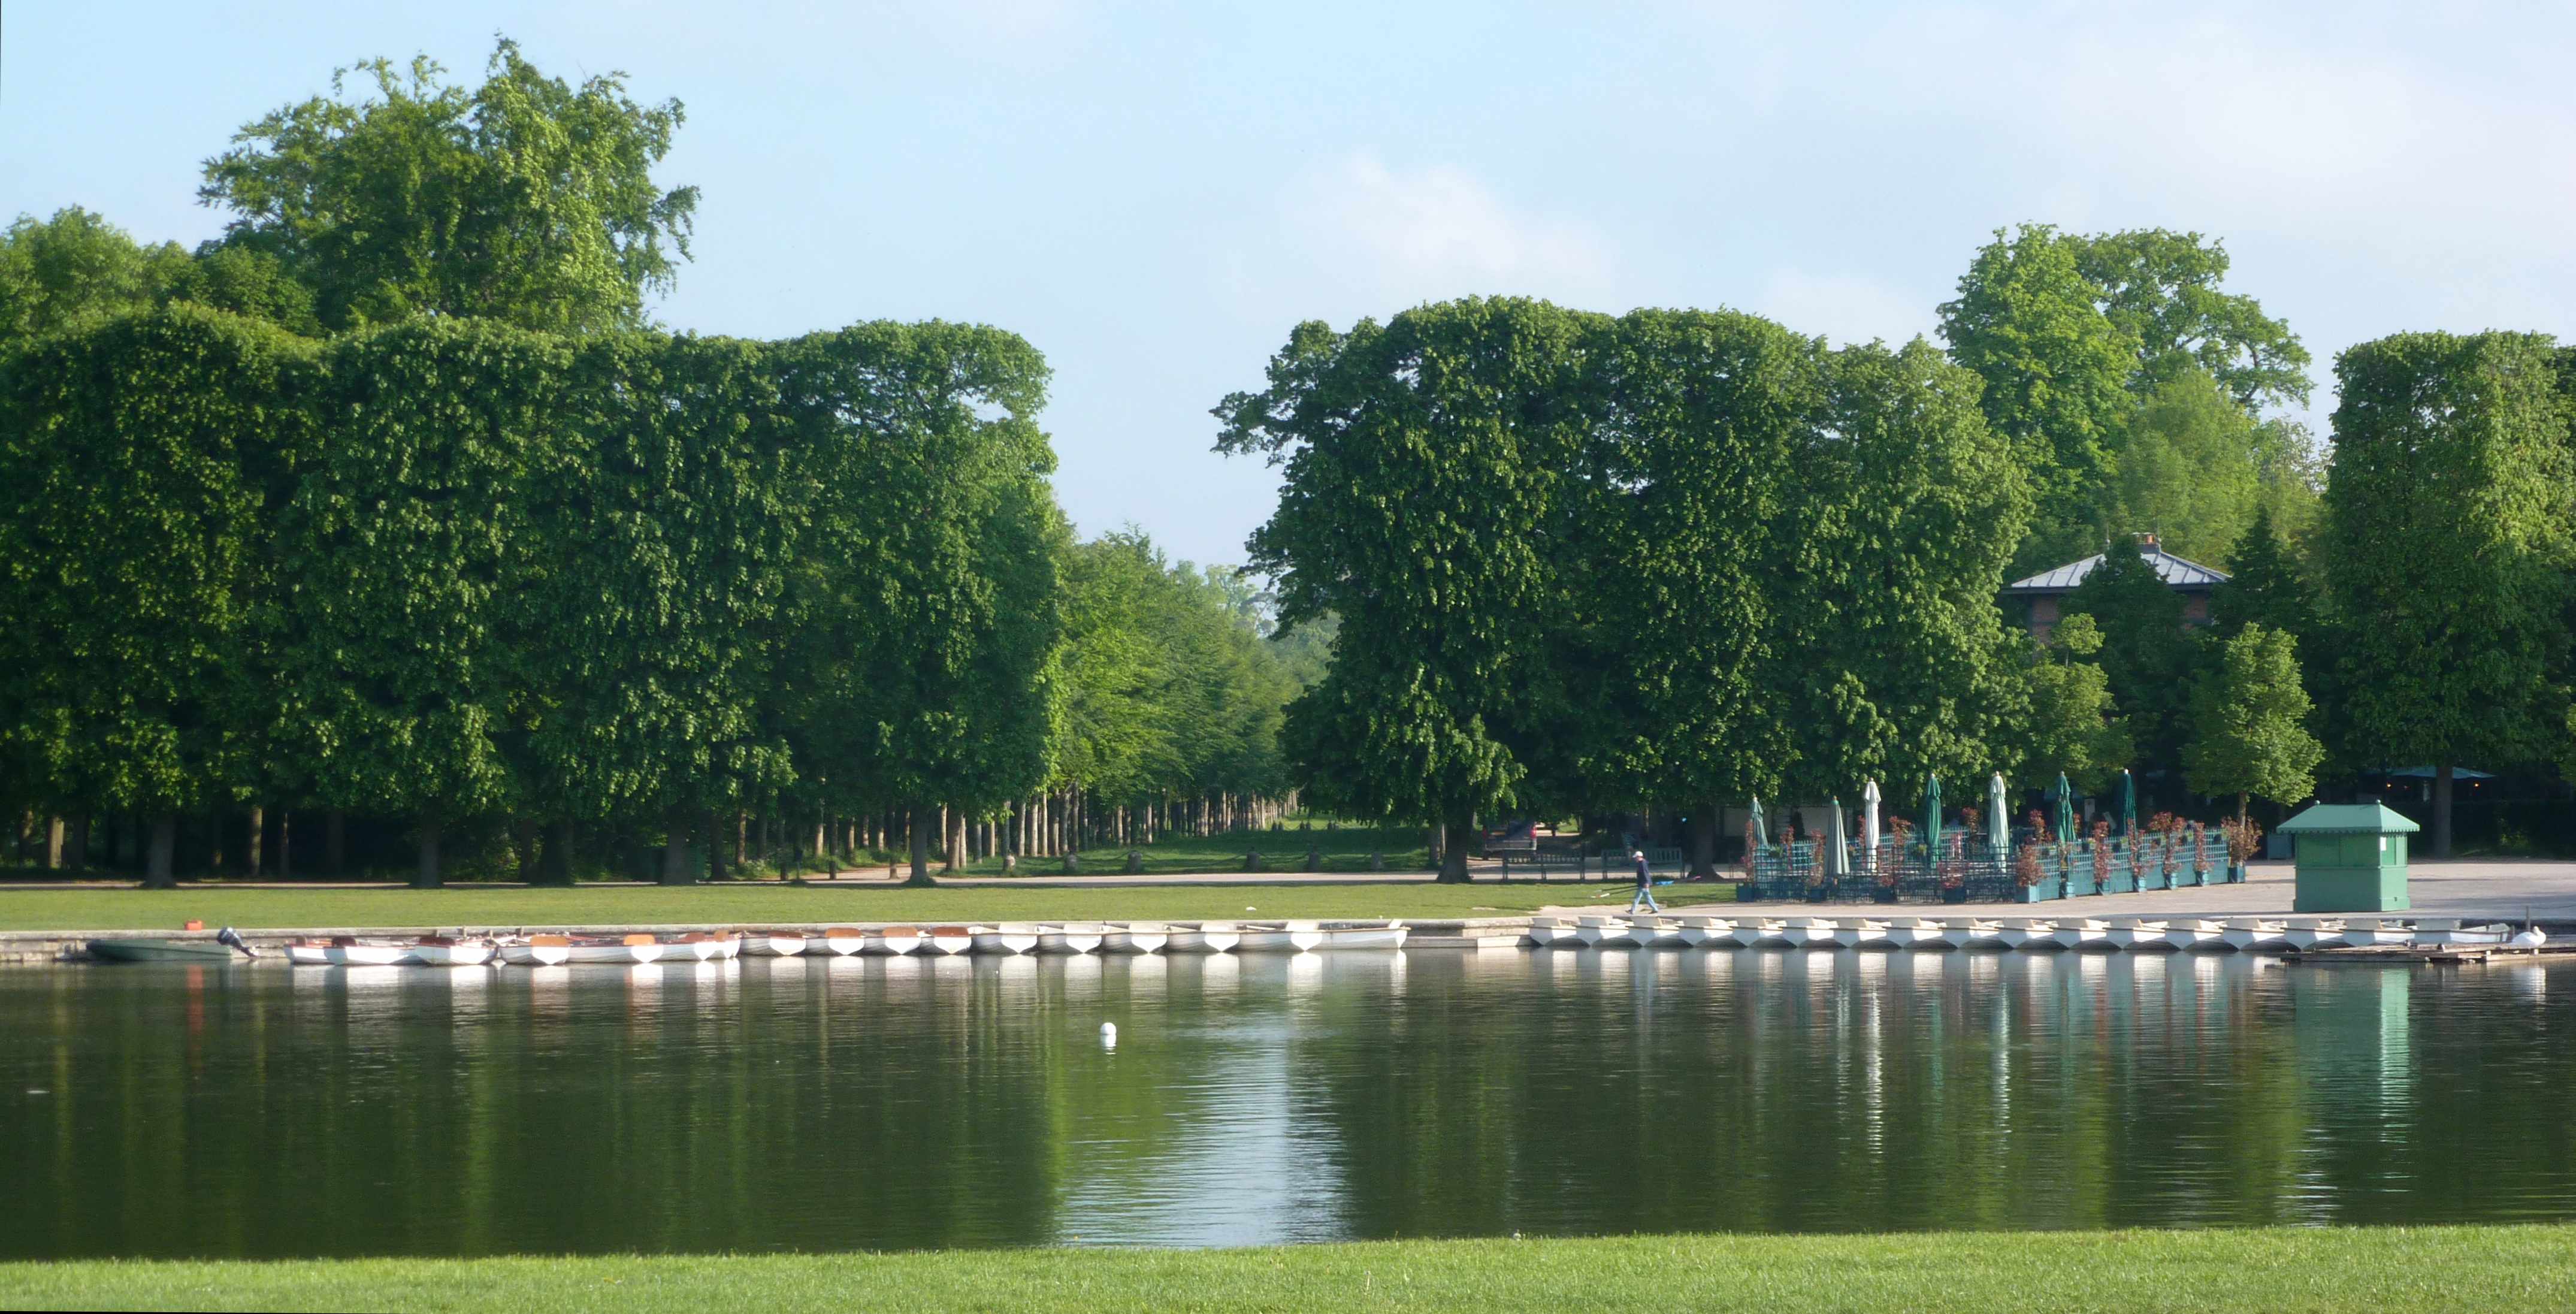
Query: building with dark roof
<point>2045,593</point>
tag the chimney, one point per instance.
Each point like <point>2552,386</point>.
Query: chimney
<point>2147,539</point>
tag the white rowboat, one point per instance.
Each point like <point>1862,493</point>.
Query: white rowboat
<point>1279,937</point>
<point>630,949</point>
<point>1389,936</point>
<point>538,951</point>
<point>307,953</point>
<point>2251,935</point>
<point>1135,938</point>
<point>1007,938</point>
<point>893,940</point>
<point>440,951</point>
<point>1203,938</point>
<point>1071,938</point>
<point>349,951</point>
<point>845,940</point>
<point>774,944</point>
<point>947,940</point>
<point>1708,932</point>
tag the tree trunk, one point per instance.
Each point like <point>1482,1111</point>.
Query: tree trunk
<point>715,845</point>
<point>53,844</point>
<point>922,818</point>
<point>2243,800</point>
<point>523,837</point>
<point>215,844</point>
<point>258,836</point>
<point>285,844</point>
<point>426,878</point>
<point>559,854</point>
<point>1704,842</point>
<point>76,845</point>
<point>1451,836</point>
<point>675,850</point>
<point>2442,810</point>
<point>335,843</point>
<point>160,870</point>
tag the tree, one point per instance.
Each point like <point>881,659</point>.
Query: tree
<point>2448,545</point>
<point>2250,723</point>
<point>526,200</point>
<point>142,459</point>
<point>2056,370</point>
<point>2146,654</point>
<point>2265,587</point>
<point>58,272</point>
<point>2188,470</point>
<point>2160,288</point>
<point>2073,728</point>
<point>1425,505</point>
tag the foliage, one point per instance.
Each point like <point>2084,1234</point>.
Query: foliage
<point>2188,471</point>
<point>2449,527</point>
<point>525,199</point>
<point>57,272</point>
<point>2160,289</point>
<point>2072,727</point>
<point>2146,655</point>
<point>2250,718</point>
<point>2265,586</point>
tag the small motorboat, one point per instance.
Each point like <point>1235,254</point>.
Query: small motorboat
<point>1007,938</point>
<point>845,940</point>
<point>1070,938</point>
<point>305,952</point>
<point>160,951</point>
<point>1135,938</point>
<point>893,940</point>
<point>442,951</point>
<point>538,951</point>
<point>633,949</point>
<point>1365,935</point>
<point>350,951</point>
<point>774,944</point>
<point>945,940</point>
<point>1202,938</point>
<point>1278,937</point>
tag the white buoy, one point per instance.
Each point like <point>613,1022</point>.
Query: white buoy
<point>1109,1035</point>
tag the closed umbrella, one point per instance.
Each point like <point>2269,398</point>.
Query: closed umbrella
<point>1931,819</point>
<point>2128,804</point>
<point>1838,855</point>
<point>2065,811</point>
<point>1998,826</point>
<point>1759,835</point>
<point>1869,824</point>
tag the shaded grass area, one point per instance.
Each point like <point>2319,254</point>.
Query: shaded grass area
<point>2271,1270</point>
<point>755,903</point>
<point>1337,848</point>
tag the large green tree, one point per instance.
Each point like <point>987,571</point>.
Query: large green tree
<point>2250,714</point>
<point>526,199</point>
<point>2074,728</point>
<point>2188,471</point>
<point>2266,586</point>
<point>2148,655</point>
<point>143,459</point>
<point>2449,542</point>
<point>2161,289</point>
<point>1425,505</point>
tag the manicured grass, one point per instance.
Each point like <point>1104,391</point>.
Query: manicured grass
<point>1341,848</point>
<point>2473,1268</point>
<point>754,903</point>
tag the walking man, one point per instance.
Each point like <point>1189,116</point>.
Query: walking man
<point>1645,884</point>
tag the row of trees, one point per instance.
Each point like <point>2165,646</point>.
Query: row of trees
<point>391,502</point>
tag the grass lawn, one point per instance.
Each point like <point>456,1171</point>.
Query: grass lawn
<point>753,903</point>
<point>2473,1268</point>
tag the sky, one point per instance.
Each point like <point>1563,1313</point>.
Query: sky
<point>1155,195</point>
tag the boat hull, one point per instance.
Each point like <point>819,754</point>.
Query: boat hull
<point>1349,938</point>
<point>1135,939</point>
<point>774,946</point>
<point>1007,940</point>
<point>463,953</point>
<point>1286,938</point>
<point>1076,938</point>
<point>159,951</point>
<point>1204,938</point>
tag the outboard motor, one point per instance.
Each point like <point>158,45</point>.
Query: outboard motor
<point>229,936</point>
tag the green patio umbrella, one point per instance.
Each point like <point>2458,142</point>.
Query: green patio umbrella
<point>1760,834</point>
<point>2128,805</point>
<point>1998,824</point>
<point>1932,817</point>
<point>1837,853</point>
<point>2065,811</point>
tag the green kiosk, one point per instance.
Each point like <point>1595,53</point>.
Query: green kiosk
<point>2352,858</point>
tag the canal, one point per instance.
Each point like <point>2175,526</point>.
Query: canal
<point>257,1112</point>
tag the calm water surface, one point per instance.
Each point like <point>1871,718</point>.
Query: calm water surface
<point>841,1104</point>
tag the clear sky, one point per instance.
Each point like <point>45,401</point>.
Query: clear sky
<point>1155,194</point>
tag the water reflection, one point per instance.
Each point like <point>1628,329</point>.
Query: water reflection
<point>841,1102</point>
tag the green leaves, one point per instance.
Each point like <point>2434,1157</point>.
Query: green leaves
<point>2250,718</point>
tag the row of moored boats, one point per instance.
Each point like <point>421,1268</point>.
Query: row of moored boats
<point>1007,938</point>
<point>2242,935</point>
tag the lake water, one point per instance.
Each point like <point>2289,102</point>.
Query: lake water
<point>845,1104</point>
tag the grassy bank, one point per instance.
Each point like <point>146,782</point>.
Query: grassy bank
<point>2269,1270</point>
<point>749,903</point>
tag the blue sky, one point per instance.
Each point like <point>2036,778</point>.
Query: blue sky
<point>1155,194</point>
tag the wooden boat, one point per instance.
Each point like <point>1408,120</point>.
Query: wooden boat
<point>440,951</point>
<point>1070,938</point>
<point>303,952</point>
<point>629,949</point>
<point>1007,938</point>
<point>2195,935</point>
<point>774,944</point>
<point>538,951</point>
<point>2136,933</point>
<point>699,946</point>
<point>1278,937</point>
<point>845,940</point>
<point>945,940</point>
<point>350,951</point>
<point>1203,938</point>
<point>2254,935</point>
<point>1135,938</point>
<point>160,951</point>
<point>893,940</point>
<point>1390,935</point>
<point>1699,931</point>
